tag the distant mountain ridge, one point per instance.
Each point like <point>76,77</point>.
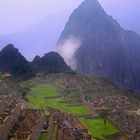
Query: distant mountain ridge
<point>51,62</point>
<point>12,61</point>
<point>107,49</point>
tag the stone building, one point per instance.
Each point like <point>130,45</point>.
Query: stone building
<point>29,125</point>
<point>7,120</point>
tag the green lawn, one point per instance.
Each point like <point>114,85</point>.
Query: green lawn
<point>43,136</point>
<point>97,128</point>
<point>38,100</point>
<point>45,90</point>
<point>53,134</point>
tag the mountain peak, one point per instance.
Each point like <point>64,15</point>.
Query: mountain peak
<point>91,1</point>
<point>9,47</point>
<point>88,16</point>
<point>11,60</point>
<point>52,54</point>
<point>51,62</point>
<point>90,6</point>
<point>106,49</point>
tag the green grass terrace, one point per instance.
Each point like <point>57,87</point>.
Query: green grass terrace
<point>46,95</point>
<point>97,128</point>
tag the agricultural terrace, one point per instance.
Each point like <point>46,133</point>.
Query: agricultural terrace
<point>97,128</point>
<point>46,95</point>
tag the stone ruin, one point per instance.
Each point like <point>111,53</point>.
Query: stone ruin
<point>68,126</point>
<point>113,103</point>
<point>29,125</point>
<point>9,112</point>
<point>17,122</point>
<point>128,123</point>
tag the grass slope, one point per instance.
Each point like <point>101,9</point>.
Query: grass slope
<point>54,131</point>
<point>43,136</point>
<point>97,128</point>
<point>39,100</point>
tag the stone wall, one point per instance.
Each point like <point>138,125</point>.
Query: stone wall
<point>39,126</point>
<point>9,122</point>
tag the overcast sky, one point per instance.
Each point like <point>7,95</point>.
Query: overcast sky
<point>35,25</point>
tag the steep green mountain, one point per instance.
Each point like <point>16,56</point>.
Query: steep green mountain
<point>13,62</point>
<point>106,48</point>
<point>51,62</point>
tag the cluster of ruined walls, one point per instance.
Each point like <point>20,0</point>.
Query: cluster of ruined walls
<point>9,122</point>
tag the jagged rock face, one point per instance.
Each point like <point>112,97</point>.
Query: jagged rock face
<point>13,62</point>
<point>51,62</point>
<point>106,49</point>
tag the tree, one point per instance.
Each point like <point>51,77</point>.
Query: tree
<point>87,98</point>
<point>24,92</point>
<point>104,114</point>
<point>67,90</point>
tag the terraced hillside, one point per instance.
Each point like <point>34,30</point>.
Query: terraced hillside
<point>66,93</point>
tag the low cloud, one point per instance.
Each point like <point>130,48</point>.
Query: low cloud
<point>67,50</point>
